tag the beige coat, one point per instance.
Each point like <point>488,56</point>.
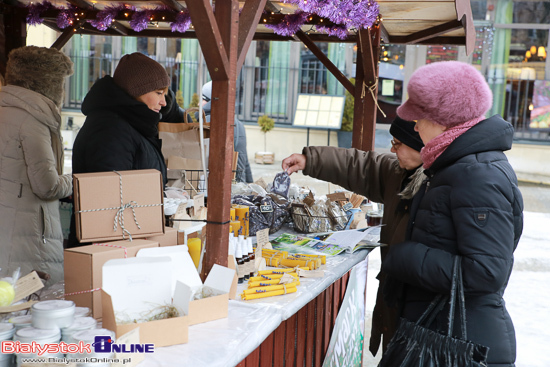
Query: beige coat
<point>31,162</point>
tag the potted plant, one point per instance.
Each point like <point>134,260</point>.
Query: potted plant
<point>346,131</point>
<point>266,124</point>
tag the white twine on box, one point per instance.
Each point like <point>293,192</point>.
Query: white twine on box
<point>119,216</point>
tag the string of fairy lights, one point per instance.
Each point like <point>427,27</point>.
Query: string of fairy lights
<point>341,17</point>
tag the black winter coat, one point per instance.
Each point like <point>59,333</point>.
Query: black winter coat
<point>120,133</point>
<point>470,206</point>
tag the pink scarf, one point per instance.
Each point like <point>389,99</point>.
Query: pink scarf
<point>437,145</point>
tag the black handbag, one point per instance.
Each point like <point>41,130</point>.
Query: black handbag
<point>415,345</point>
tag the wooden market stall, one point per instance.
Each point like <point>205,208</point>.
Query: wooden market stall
<point>225,36</point>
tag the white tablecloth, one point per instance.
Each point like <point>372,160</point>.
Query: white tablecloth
<point>228,341</point>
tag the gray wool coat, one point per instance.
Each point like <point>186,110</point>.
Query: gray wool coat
<point>31,157</point>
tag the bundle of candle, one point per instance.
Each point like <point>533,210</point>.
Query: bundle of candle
<point>271,283</point>
<point>284,259</point>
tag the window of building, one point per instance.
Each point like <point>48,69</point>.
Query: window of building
<point>441,53</point>
<point>528,50</point>
<point>313,74</point>
<point>536,12</point>
<point>479,9</point>
<point>393,54</point>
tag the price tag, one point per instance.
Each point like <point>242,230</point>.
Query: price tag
<point>266,208</point>
<point>262,237</point>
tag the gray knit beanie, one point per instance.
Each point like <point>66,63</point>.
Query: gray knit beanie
<point>138,74</point>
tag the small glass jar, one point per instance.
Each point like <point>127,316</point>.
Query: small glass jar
<point>52,314</point>
<point>40,336</point>
<point>79,324</point>
<point>20,322</point>
<point>89,337</point>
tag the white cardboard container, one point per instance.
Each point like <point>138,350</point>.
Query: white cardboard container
<point>131,286</point>
<point>217,284</point>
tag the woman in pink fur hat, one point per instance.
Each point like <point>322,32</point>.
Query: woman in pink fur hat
<point>470,206</point>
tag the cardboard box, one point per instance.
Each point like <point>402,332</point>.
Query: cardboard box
<point>110,205</point>
<point>133,289</point>
<point>169,238</point>
<point>83,269</point>
<point>217,285</point>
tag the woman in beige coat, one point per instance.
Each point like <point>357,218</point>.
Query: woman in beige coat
<point>31,162</point>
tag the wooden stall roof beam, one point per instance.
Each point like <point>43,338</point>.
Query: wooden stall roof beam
<point>210,40</point>
<point>325,61</point>
<point>173,4</point>
<point>249,18</point>
<point>220,30</point>
<point>428,34</point>
<point>366,89</point>
<point>66,35</point>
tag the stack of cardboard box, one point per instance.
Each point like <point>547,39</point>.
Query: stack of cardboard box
<point>121,213</point>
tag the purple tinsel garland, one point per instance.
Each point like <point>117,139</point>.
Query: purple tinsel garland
<point>339,31</point>
<point>182,23</point>
<point>36,10</point>
<point>345,14</point>
<point>291,24</point>
<point>140,19</point>
<point>106,16</point>
<point>66,17</point>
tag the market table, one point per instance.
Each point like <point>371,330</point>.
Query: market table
<point>268,331</point>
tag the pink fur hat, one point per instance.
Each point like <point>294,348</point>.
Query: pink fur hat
<point>448,93</point>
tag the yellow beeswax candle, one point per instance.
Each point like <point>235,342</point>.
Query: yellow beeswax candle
<point>234,226</point>
<point>248,297</point>
<point>263,283</point>
<point>279,271</point>
<point>241,214</point>
<point>322,257</point>
<point>232,214</point>
<point>292,263</point>
<point>271,277</point>
<point>268,288</point>
<point>194,245</point>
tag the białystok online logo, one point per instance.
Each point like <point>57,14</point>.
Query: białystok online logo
<point>101,344</point>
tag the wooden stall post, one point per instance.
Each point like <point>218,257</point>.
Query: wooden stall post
<point>366,89</point>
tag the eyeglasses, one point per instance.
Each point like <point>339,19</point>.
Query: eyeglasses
<point>395,145</point>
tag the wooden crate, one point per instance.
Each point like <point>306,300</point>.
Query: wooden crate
<point>265,157</point>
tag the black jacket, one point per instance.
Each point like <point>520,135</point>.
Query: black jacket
<point>120,133</point>
<point>470,206</point>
